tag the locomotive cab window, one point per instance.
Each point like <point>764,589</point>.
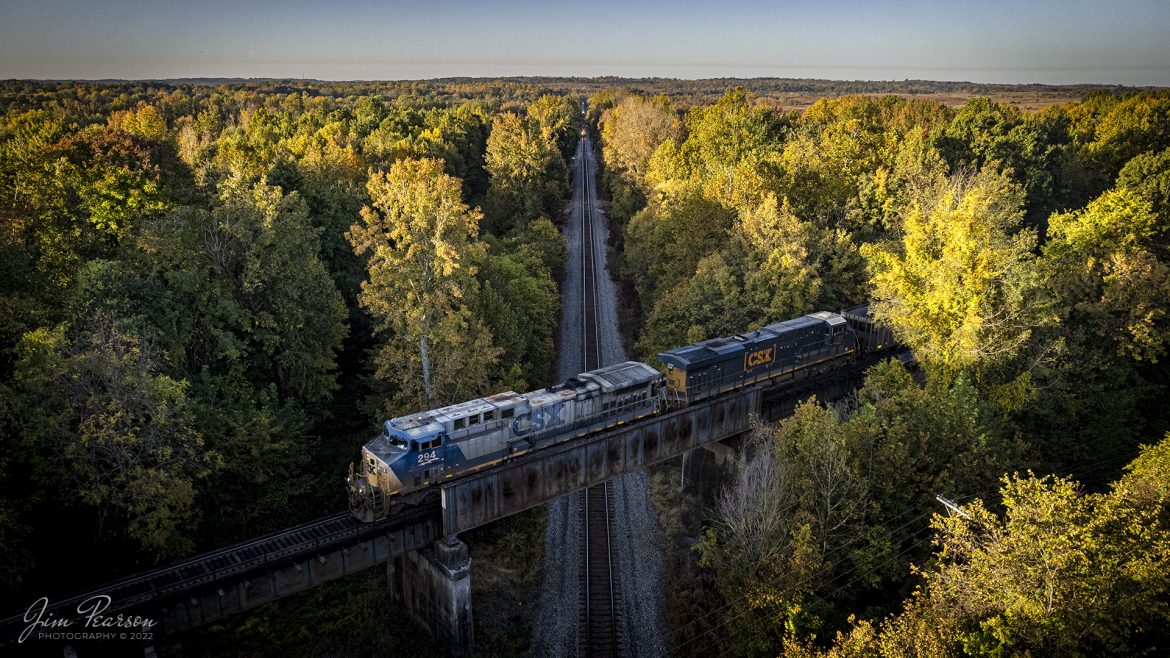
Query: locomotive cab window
<point>489,415</point>
<point>473,420</point>
<point>459,423</point>
<point>507,413</point>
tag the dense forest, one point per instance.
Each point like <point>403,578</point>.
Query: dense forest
<point>214,294</point>
<point>1025,258</point>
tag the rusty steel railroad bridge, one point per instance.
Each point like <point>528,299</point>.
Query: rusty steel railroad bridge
<point>209,587</point>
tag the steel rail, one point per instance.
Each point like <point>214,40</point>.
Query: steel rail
<point>599,625</point>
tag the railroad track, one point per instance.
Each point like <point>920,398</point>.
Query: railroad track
<point>601,609</point>
<point>590,336</point>
<point>597,578</point>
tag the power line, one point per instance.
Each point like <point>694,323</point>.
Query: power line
<point>1100,462</point>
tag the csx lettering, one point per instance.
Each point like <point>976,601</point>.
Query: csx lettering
<point>522,425</point>
<point>759,357</point>
<point>538,420</point>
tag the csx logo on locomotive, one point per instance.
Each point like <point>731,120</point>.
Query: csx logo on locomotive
<point>759,358</point>
<point>538,420</point>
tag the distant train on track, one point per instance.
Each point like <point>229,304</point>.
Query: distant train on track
<point>414,453</point>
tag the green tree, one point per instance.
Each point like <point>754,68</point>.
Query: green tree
<point>419,238</point>
<point>1031,148</point>
<point>666,241</point>
<point>1109,291</point>
<point>36,249</point>
<point>463,132</point>
<point>332,181</point>
<point>259,249</point>
<point>630,134</point>
<point>1059,572</point>
<point>724,153</point>
<point>1104,270</point>
<point>1148,174</point>
<point>544,242</point>
<point>1136,124</point>
<point>243,305</point>
<point>528,175</point>
<point>94,396</point>
<point>560,121</point>
<point>708,304</point>
<point>794,267</point>
<point>520,305</point>
<point>856,482</point>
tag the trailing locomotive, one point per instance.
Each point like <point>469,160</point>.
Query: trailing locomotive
<point>719,365</point>
<point>415,452</point>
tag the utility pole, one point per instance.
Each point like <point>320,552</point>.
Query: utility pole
<point>953,506</point>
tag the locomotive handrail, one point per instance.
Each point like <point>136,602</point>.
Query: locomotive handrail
<point>741,379</point>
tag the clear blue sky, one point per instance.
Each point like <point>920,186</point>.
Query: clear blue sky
<point>1050,41</point>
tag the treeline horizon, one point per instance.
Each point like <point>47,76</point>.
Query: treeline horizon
<point>693,90</point>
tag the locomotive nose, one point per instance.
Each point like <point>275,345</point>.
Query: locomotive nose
<point>390,481</point>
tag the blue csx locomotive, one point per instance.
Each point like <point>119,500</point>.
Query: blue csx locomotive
<point>417,451</point>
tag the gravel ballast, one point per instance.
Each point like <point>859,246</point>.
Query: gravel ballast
<point>639,539</point>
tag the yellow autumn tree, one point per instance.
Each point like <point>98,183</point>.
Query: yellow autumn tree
<point>961,286</point>
<point>421,243</point>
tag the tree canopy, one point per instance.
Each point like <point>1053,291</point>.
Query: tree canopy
<point>192,349</point>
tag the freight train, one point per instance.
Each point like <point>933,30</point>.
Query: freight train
<point>416,452</point>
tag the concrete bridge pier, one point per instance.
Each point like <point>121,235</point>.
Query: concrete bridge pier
<point>704,468</point>
<point>434,586</point>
